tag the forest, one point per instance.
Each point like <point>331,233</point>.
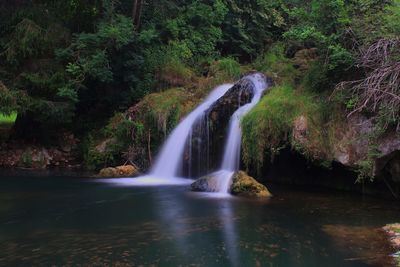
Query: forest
<point>79,68</point>
<point>200,133</point>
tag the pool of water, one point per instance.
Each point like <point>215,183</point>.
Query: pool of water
<point>61,221</point>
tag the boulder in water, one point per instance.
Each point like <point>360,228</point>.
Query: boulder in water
<point>118,172</point>
<point>242,184</point>
<point>208,183</point>
<point>246,186</point>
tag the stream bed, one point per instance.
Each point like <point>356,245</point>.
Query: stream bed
<point>72,221</point>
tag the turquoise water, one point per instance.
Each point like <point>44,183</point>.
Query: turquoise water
<point>61,221</point>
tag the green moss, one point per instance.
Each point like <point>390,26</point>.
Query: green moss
<point>267,128</point>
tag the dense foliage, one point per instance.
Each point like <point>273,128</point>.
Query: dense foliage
<point>71,65</point>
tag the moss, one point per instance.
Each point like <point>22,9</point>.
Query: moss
<point>268,127</point>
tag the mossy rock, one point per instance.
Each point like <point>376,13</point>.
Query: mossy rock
<point>246,186</point>
<point>118,172</point>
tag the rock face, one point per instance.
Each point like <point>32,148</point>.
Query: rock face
<point>118,172</point>
<point>245,186</point>
<point>242,185</point>
<point>351,144</point>
<point>15,154</point>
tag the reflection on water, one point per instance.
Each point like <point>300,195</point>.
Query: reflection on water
<point>64,222</point>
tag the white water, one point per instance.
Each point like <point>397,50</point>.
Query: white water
<point>231,159</point>
<point>169,160</point>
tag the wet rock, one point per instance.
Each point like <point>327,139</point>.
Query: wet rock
<point>246,186</point>
<point>209,183</point>
<point>241,184</point>
<point>212,128</point>
<point>118,172</point>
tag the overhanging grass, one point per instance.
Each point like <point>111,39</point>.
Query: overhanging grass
<point>268,126</point>
<point>8,119</point>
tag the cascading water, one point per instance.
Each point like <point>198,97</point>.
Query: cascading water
<point>195,129</point>
<point>231,159</point>
<point>169,160</point>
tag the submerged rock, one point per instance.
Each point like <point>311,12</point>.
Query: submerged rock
<point>118,172</point>
<point>242,184</point>
<point>246,186</point>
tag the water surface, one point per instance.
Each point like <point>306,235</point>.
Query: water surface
<point>60,221</point>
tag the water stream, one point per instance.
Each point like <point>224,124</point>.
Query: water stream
<point>169,161</point>
<point>231,159</point>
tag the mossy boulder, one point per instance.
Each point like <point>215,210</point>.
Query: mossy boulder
<point>246,186</point>
<point>118,172</point>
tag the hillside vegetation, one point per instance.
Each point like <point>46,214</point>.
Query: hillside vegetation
<point>119,75</point>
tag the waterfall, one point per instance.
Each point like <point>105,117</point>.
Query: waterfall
<point>169,164</point>
<point>231,159</point>
<point>169,161</point>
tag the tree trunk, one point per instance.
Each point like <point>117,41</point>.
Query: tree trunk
<point>136,13</point>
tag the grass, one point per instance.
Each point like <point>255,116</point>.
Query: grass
<point>268,126</point>
<point>6,122</point>
<point>8,119</point>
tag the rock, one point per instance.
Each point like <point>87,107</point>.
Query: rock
<point>118,172</point>
<point>35,158</point>
<point>350,145</point>
<point>211,182</point>
<point>104,145</point>
<point>213,127</point>
<point>300,125</point>
<point>246,186</point>
<point>242,184</point>
<point>67,142</point>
